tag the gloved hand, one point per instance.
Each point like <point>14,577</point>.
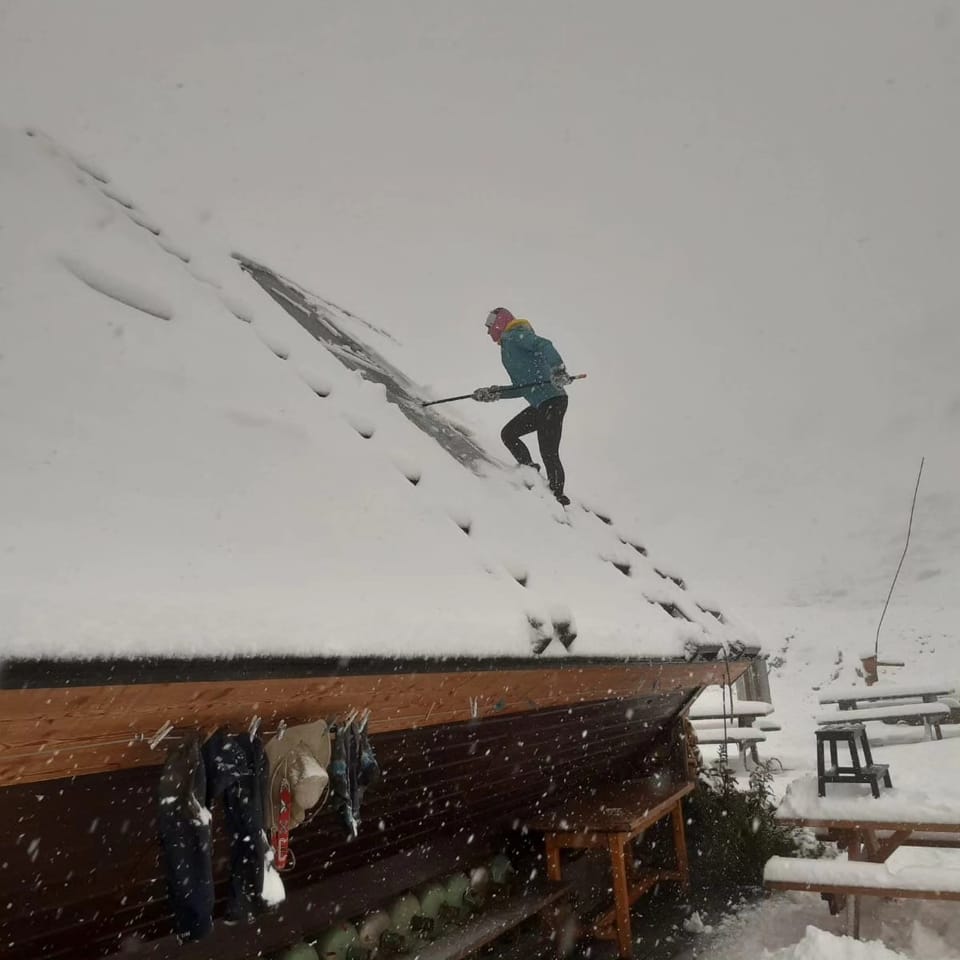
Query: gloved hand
<point>559,377</point>
<point>486,394</point>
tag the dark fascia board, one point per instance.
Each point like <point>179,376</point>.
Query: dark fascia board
<point>22,673</point>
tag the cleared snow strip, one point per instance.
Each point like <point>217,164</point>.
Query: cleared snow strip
<point>120,289</point>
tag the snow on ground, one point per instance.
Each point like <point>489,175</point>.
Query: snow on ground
<point>783,928</point>
<point>188,472</point>
<point>814,648</point>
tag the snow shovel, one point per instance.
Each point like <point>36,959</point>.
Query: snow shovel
<point>512,386</point>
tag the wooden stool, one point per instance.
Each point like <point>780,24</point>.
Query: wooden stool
<point>852,734</point>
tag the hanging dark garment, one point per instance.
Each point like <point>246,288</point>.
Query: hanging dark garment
<point>369,772</point>
<point>341,767</point>
<point>353,768</point>
<point>237,772</point>
<point>184,824</point>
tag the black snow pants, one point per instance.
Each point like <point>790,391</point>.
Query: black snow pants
<point>547,422</point>
<point>237,772</point>
<point>184,824</point>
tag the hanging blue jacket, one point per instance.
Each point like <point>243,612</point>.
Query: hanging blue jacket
<point>528,358</point>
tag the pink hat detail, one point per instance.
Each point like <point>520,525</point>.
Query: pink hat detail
<point>497,321</point>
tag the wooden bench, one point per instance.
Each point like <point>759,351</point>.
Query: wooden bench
<point>926,838</point>
<point>835,880</point>
<point>611,819</point>
<point>494,922</point>
<point>930,713</point>
<point>746,739</point>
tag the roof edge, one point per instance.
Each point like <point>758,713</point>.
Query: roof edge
<point>98,672</point>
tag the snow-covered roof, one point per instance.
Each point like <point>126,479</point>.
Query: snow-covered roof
<point>187,471</point>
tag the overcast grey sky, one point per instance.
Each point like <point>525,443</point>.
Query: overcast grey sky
<point>740,218</point>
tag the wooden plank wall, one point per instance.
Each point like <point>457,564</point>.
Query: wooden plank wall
<point>81,875</point>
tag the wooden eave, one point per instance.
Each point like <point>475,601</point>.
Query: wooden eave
<point>89,723</point>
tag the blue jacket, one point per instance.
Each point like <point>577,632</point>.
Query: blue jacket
<point>528,358</point>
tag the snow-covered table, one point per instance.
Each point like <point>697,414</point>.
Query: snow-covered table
<point>889,703</point>
<point>743,711</point>
<point>847,698</point>
<point>870,829</point>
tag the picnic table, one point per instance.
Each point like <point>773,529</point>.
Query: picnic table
<point>889,703</point>
<point>870,830</point>
<point>611,820</point>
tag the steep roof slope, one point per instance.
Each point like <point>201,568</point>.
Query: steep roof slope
<point>188,472</point>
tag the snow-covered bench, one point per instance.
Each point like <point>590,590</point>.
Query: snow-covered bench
<point>835,880</point>
<point>746,739</point>
<point>930,713</point>
<point>861,878</point>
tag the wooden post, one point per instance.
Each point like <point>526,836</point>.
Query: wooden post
<point>553,858</point>
<point>855,851</point>
<point>680,845</point>
<point>621,893</point>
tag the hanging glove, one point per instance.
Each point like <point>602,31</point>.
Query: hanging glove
<point>559,377</point>
<point>486,394</point>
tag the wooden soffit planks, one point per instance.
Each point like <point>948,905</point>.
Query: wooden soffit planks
<point>53,732</point>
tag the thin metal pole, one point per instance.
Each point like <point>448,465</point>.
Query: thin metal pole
<point>876,645</point>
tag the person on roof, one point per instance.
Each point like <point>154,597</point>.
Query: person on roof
<point>538,374</point>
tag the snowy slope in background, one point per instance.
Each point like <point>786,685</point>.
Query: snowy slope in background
<point>188,472</point>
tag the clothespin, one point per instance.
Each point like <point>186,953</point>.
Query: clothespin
<point>350,717</point>
<point>281,729</point>
<point>158,737</point>
<point>364,718</point>
<point>475,707</point>
<point>254,725</point>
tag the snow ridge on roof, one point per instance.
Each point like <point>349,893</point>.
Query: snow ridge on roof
<point>190,473</point>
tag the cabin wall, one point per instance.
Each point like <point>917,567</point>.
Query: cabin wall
<point>81,875</point>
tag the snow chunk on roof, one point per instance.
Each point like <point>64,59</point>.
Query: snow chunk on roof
<point>171,489</point>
